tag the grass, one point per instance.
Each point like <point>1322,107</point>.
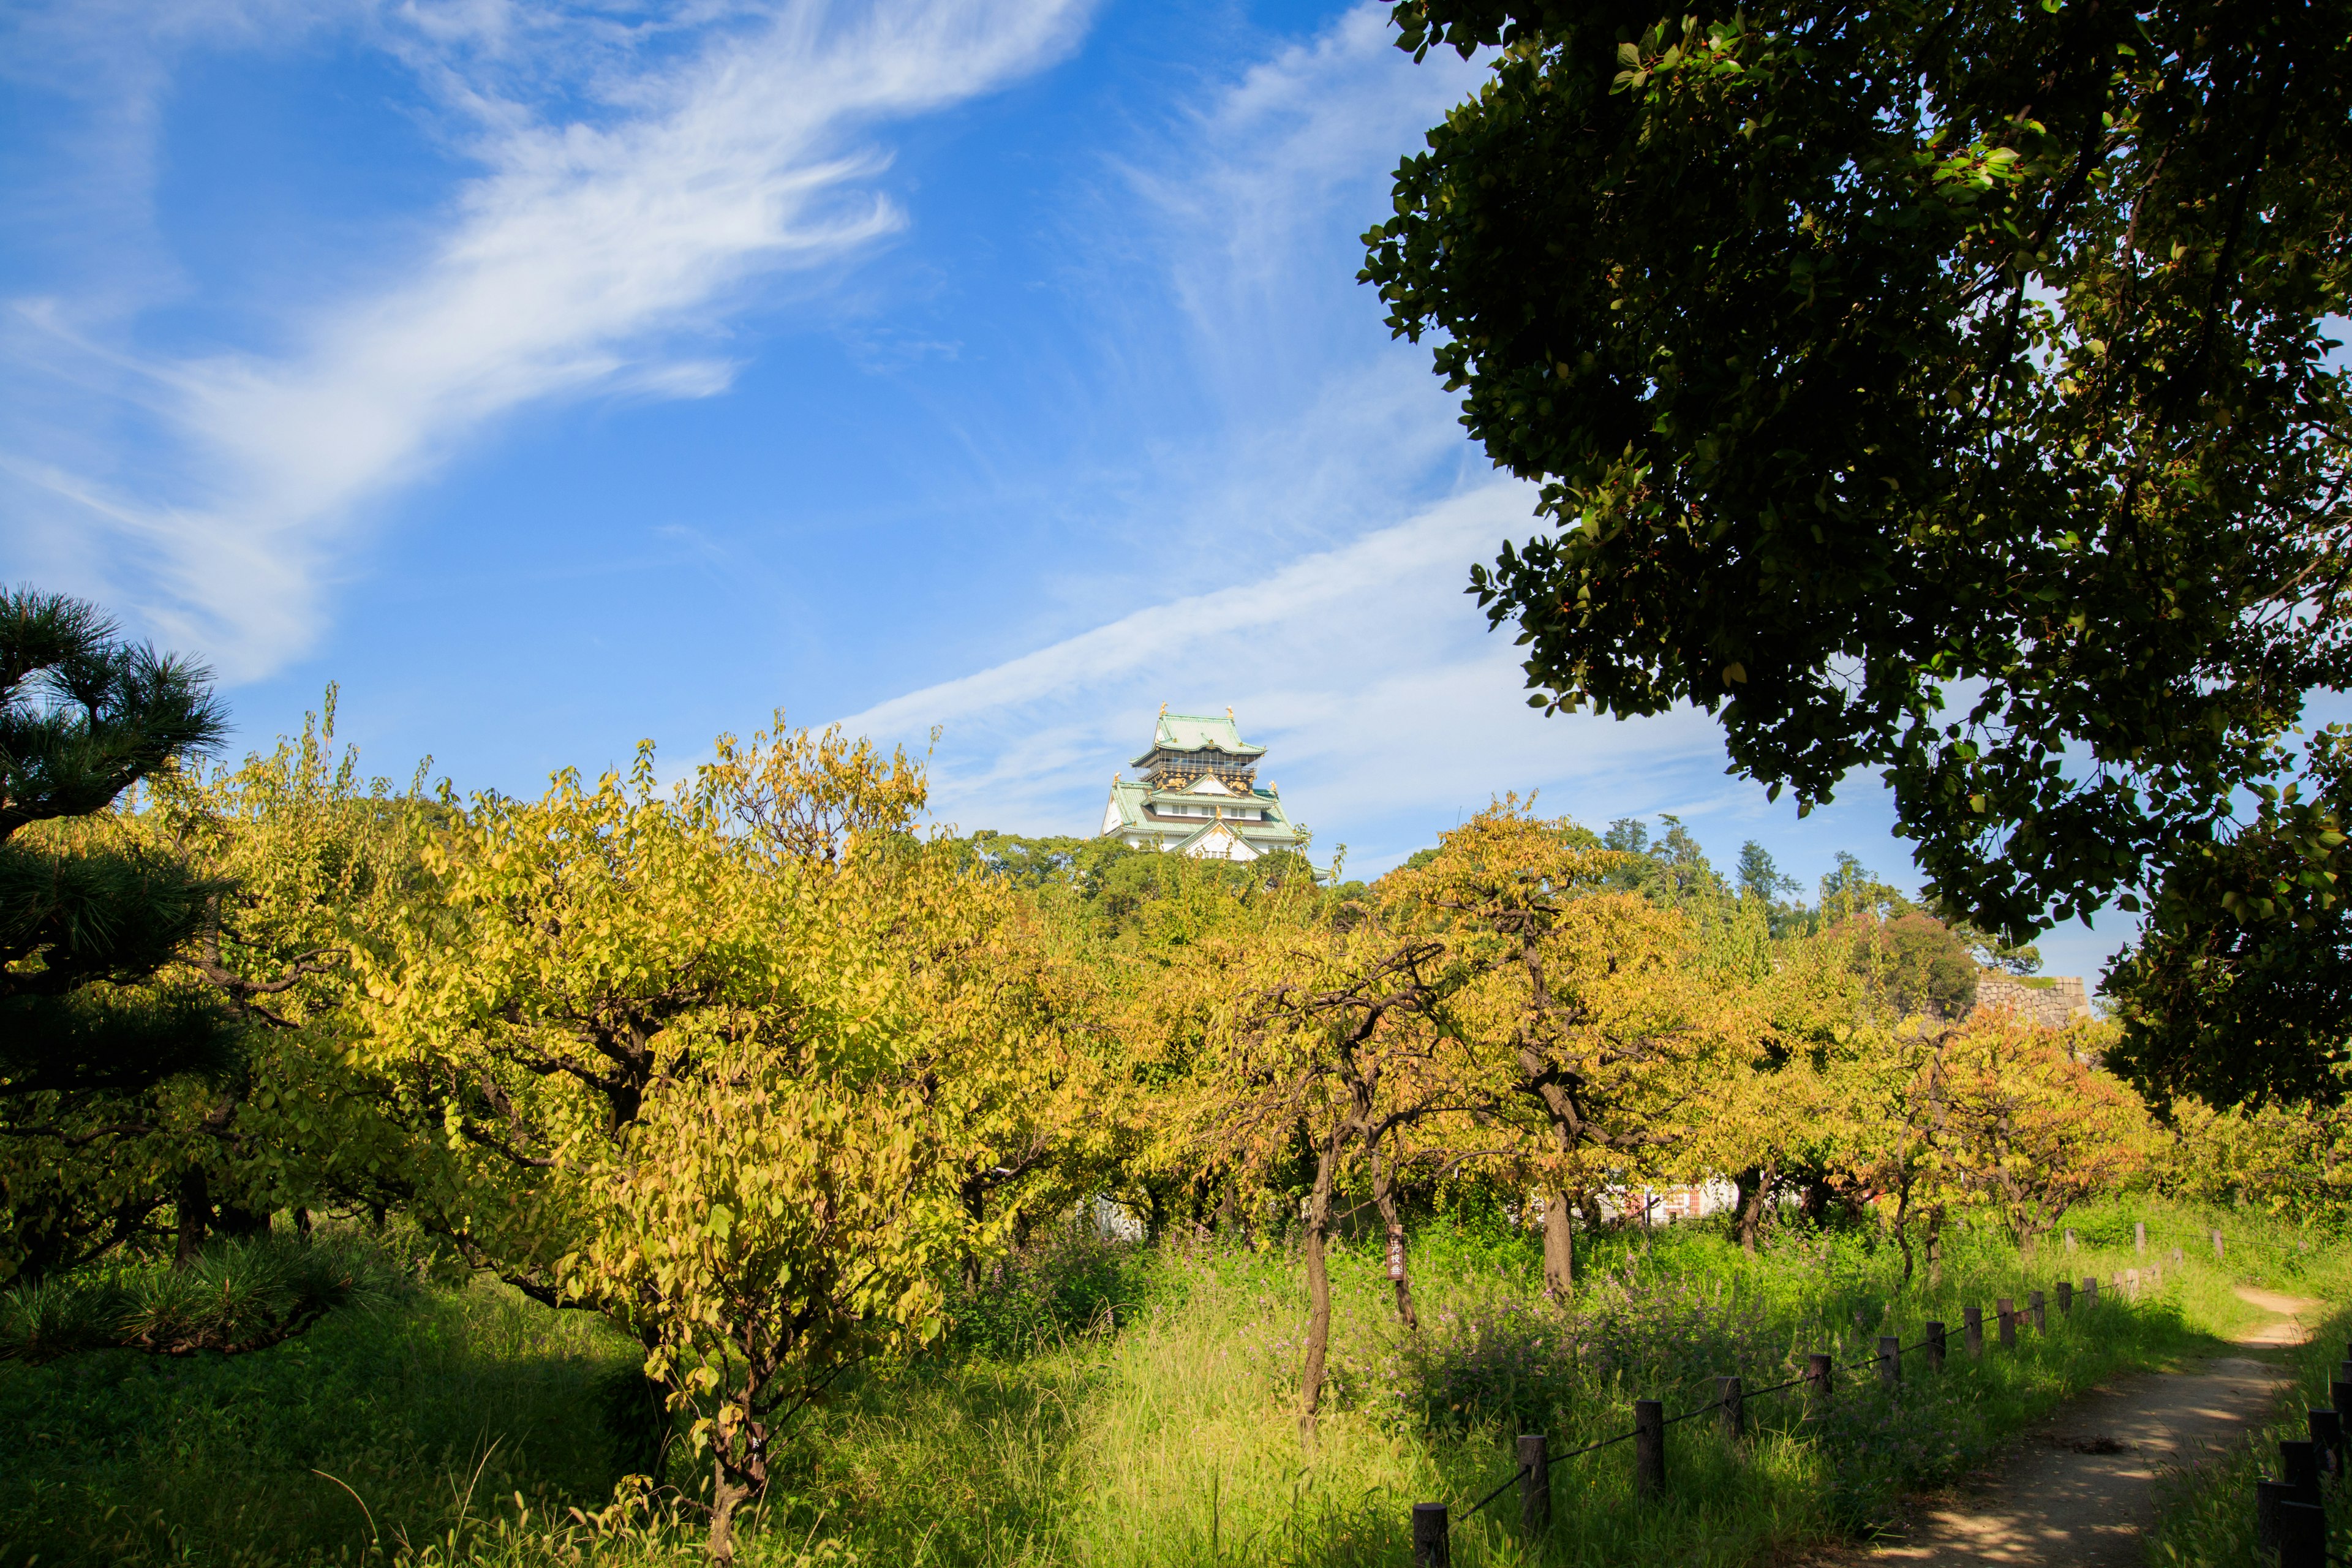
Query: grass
<point>2205,1515</point>
<point>1105,1406</point>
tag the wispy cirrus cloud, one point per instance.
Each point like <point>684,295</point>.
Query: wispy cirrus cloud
<point>621,216</point>
<point>1320,547</point>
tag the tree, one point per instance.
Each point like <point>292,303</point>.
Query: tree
<point>1941,390</point>
<point>1311,1040</point>
<point>2280,1156</point>
<point>85,911</point>
<point>716,1065</point>
<point>1759,876</point>
<point>2240,988</point>
<point>1914,966</point>
<point>300,858</point>
<point>2031,1125</point>
<point>90,910</point>
<point>1586,1035</point>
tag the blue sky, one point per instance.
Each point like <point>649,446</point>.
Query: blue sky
<point>555,375</point>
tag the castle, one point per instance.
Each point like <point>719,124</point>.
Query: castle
<point>1199,795</point>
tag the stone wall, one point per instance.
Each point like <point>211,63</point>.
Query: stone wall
<point>2052,1001</point>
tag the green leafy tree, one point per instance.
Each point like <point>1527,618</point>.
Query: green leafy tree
<point>1759,875</point>
<point>1917,966</point>
<point>2240,989</point>
<point>1940,389</point>
<point>300,857</point>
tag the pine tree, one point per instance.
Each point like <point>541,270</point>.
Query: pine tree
<point>88,914</point>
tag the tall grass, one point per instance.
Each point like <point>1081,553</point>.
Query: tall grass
<point>2205,1514</point>
<point>1103,1406</point>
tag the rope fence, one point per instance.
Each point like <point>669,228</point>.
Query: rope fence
<point>1432,1522</point>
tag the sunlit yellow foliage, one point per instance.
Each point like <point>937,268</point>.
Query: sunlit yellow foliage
<point>1593,1040</point>
<point>719,1065</point>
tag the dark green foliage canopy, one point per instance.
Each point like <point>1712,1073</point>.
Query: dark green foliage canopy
<point>2241,988</point>
<point>85,714</point>
<point>1937,388</point>
<point>86,917</point>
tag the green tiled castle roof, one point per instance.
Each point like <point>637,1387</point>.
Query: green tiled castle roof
<point>1194,732</point>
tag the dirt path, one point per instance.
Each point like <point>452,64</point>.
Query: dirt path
<point>2078,1490</point>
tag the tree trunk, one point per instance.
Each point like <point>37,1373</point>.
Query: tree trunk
<point>974,1192</point>
<point>724,1496</point>
<point>1319,1292</point>
<point>1756,1193</point>
<point>1560,1247</point>
<point>195,1205</point>
<point>1903,1228</point>
<point>1384,1199</point>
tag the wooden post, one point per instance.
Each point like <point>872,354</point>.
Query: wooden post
<point>1934,1346</point>
<point>1972,1330</point>
<point>1730,1407</point>
<point>2302,1535</point>
<point>2007,1310</point>
<point>2299,1467</point>
<point>2091,1292</point>
<point>1890,1360</point>
<point>2328,1437</point>
<point>2139,1237</point>
<point>2217,1254</point>
<point>1819,1370</point>
<point>2268,1496</point>
<point>2131,1283</point>
<point>2065,1297</point>
<point>2070,1239</point>
<point>2339,1394</point>
<point>2034,1309</point>
<point>1432,1548</point>
<point>1534,1486</point>
<point>1649,1447</point>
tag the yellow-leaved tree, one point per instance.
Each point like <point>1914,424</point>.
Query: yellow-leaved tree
<point>1299,1035</point>
<point>300,856</point>
<point>718,1064</point>
<point>1589,1031</point>
<point>2031,1124</point>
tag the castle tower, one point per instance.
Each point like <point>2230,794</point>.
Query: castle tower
<point>1199,795</point>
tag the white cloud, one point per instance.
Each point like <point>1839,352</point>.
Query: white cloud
<point>569,266</point>
<point>1329,526</point>
<point>1328,533</point>
<point>1386,706</point>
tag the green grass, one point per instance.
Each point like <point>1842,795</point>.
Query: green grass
<point>1108,1406</point>
<point>434,1409</point>
<point>2205,1515</point>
